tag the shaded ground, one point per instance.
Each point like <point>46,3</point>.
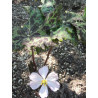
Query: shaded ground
<point>67,60</point>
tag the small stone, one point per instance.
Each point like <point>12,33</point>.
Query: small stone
<point>19,80</point>
<point>62,67</point>
<point>15,66</point>
<point>67,73</point>
<point>14,87</point>
<point>72,52</point>
<point>14,79</point>
<point>65,48</point>
<point>14,95</point>
<point>14,63</point>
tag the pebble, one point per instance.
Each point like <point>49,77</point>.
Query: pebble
<point>65,48</point>
<point>14,87</point>
<point>14,63</point>
<point>20,80</point>
<point>14,95</point>
<point>14,79</point>
<point>15,66</point>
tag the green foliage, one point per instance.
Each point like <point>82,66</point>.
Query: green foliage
<point>44,28</point>
<point>65,33</point>
<point>52,22</point>
<point>20,34</point>
<point>78,22</point>
<point>61,34</point>
<point>84,15</point>
<point>36,19</point>
<point>45,10</point>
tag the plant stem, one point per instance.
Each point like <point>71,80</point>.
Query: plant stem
<point>33,59</point>
<point>48,55</point>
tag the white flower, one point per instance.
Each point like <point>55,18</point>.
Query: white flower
<point>42,79</point>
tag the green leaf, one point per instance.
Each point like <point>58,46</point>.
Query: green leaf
<point>84,15</point>
<point>63,34</point>
<point>79,22</point>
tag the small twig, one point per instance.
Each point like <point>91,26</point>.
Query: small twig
<point>33,59</point>
<point>48,55</point>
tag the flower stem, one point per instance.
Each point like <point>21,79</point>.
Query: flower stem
<point>33,59</point>
<point>48,55</point>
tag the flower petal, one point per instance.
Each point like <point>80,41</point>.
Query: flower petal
<point>34,85</point>
<point>53,85</point>
<point>43,91</point>
<point>35,77</point>
<point>52,76</point>
<point>43,71</point>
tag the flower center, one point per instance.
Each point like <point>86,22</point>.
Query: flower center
<point>44,82</point>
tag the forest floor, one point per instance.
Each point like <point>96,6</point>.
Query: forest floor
<point>67,60</point>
